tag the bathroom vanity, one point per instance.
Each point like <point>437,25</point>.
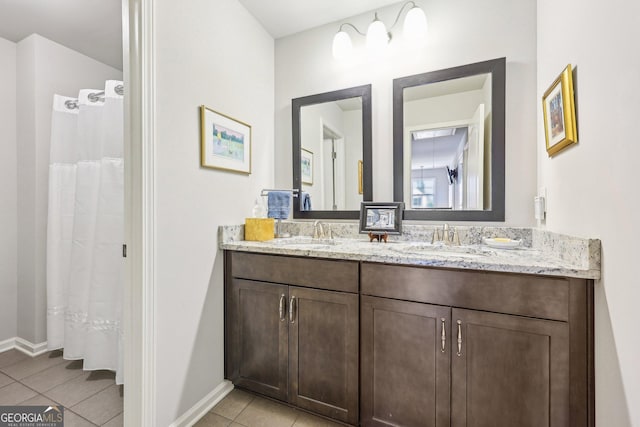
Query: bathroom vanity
<point>375,335</point>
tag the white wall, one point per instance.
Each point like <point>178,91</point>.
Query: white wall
<point>44,68</point>
<point>8,192</point>
<point>482,30</point>
<point>212,53</point>
<point>592,187</point>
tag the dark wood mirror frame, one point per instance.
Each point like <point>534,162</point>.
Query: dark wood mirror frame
<point>367,176</point>
<point>497,69</point>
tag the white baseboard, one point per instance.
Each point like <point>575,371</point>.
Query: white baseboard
<point>7,344</point>
<point>205,404</point>
<point>28,348</point>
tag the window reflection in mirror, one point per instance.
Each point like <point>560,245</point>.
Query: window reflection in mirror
<point>448,144</point>
<point>333,131</point>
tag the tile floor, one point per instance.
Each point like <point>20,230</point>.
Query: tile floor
<point>242,409</point>
<point>90,398</point>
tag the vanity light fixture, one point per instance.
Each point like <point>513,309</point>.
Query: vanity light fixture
<point>415,28</point>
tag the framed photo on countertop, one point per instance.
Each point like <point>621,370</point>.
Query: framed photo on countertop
<point>381,217</point>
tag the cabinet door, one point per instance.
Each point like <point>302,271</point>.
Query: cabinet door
<point>405,365</point>
<point>509,371</point>
<point>258,341</point>
<point>323,352</point>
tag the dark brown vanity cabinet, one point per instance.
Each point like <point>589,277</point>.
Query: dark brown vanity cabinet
<point>474,349</point>
<point>513,366</point>
<point>428,346</point>
<point>292,331</point>
<point>405,363</point>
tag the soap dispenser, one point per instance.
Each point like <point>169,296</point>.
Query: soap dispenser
<point>259,210</point>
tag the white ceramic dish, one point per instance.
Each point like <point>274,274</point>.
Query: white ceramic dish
<point>502,243</point>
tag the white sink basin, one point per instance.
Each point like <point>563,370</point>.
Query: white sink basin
<point>422,248</point>
<point>306,242</point>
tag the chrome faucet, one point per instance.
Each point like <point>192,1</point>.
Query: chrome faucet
<point>318,231</point>
<point>449,235</point>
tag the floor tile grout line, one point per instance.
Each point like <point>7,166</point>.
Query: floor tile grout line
<point>253,398</point>
<point>24,385</point>
<point>14,381</point>
<point>26,357</point>
<point>85,419</point>
<point>37,372</point>
<point>49,389</point>
<point>88,397</point>
<point>37,394</point>
<point>109,420</point>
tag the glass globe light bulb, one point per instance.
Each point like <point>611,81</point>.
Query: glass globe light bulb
<point>342,45</point>
<point>377,36</point>
<point>415,24</point>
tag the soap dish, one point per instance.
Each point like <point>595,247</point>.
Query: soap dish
<point>502,243</point>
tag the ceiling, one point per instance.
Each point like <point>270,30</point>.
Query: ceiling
<point>94,27</point>
<point>285,17</point>
<point>91,27</point>
<point>446,87</point>
<point>436,152</point>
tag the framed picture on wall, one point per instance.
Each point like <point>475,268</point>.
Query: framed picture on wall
<point>306,166</point>
<point>225,142</point>
<point>559,113</point>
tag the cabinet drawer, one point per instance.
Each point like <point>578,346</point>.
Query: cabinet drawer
<point>309,272</point>
<point>543,297</point>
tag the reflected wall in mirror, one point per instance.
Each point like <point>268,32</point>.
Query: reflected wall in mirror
<point>449,143</point>
<point>336,127</point>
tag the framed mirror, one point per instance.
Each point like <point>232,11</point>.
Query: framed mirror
<point>448,143</point>
<point>332,153</point>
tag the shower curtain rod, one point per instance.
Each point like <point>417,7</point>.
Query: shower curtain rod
<point>93,97</point>
<point>71,104</point>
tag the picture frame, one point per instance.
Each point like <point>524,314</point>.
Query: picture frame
<point>381,217</point>
<point>360,165</point>
<point>225,142</point>
<point>306,166</point>
<point>558,108</point>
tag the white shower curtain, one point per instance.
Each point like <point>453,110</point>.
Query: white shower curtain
<point>85,268</point>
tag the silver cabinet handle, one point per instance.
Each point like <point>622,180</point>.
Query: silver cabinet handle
<point>292,310</point>
<point>459,338</point>
<point>282,308</point>
<point>444,335</point>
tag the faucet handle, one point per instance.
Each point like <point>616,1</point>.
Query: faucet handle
<point>445,234</point>
<point>436,235</point>
<point>456,237</point>
<point>318,230</point>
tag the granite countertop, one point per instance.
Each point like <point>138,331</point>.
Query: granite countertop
<point>541,252</point>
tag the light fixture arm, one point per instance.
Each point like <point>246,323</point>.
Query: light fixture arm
<point>400,13</point>
<point>378,35</point>
<point>352,26</point>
